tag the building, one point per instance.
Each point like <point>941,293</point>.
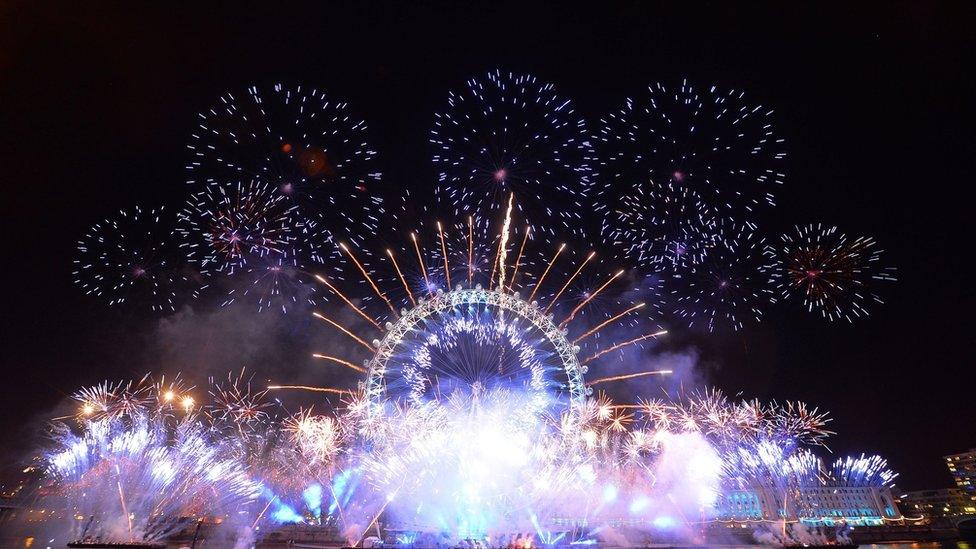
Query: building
<point>813,505</point>
<point>962,467</point>
<point>941,503</point>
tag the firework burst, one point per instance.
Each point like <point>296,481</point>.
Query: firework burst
<point>833,274</point>
<point>237,405</point>
<point>733,283</point>
<point>300,142</point>
<point>713,141</point>
<point>131,258</point>
<point>114,401</point>
<point>666,226</point>
<point>509,133</point>
<point>258,241</point>
<point>226,227</point>
<point>317,437</point>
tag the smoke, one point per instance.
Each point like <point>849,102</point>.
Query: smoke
<point>481,468</point>
<point>487,472</point>
<point>274,346</point>
<point>799,534</point>
<point>245,538</point>
<point>685,373</point>
<point>218,340</point>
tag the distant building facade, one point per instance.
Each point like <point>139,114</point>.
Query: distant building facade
<point>814,505</point>
<point>941,503</point>
<point>962,467</point>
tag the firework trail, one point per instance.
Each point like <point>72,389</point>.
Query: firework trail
<point>131,259</point>
<point>458,328</point>
<point>733,283</point>
<point>298,141</point>
<point>712,141</point>
<point>629,376</point>
<point>833,274</point>
<point>509,133</point>
<point>503,245</point>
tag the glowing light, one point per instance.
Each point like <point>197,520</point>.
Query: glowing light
<point>630,376</point>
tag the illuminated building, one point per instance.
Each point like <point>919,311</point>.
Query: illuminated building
<point>814,505</point>
<point>941,503</point>
<point>962,467</point>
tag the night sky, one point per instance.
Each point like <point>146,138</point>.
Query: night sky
<point>875,103</point>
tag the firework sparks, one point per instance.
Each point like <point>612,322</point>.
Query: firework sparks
<point>420,458</point>
<point>138,477</point>
<point>318,437</point>
<point>237,405</point>
<point>667,226</point>
<point>713,141</point>
<point>862,471</point>
<point>833,274</point>
<point>509,133</point>
<point>306,146</point>
<point>226,228</point>
<point>130,259</point>
<point>733,284</point>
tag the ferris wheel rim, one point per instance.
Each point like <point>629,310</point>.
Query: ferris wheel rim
<point>440,302</point>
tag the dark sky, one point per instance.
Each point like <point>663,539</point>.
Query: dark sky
<point>875,101</point>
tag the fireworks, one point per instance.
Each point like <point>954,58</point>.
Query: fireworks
<point>457,328</point>
<point>317,437</point>
<point>832,274</point>
<point>138,477</point>
<point>474,460</point>
<point>255,238</point>
<point>471,457</point>
<point>286,188</point>
<point>237,404</point>
<point>862,471</point>
<point>509,133</point>
<point>667,226</point>
<point>713,141</point>
<point>732,284</point>
<point>730,423</point>
<point>228,227</point>
<point>298,141</point>
<point>114,401</point>
<point>473,413</point>
<point>132,258</point>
